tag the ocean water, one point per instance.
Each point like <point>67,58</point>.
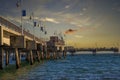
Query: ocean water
<point>77,67</point>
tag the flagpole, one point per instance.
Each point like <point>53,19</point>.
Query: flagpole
<point>33,28</point>
<point>21,17</point>
<point>40,29</point>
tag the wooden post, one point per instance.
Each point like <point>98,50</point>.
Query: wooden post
<point>42,55</point>
<point>1,35</point>
<point>27,56</point>
<point>54,55</point>
<point>1,58</point>
<point>34,55</point>
<point>31,57</point>
<point>38,56</point>
<point>48,54</point>
<point>64,53</point>
<point>59,55</point>
<point>7,57</point>
<point>17,58</point>
<point>1,49</point>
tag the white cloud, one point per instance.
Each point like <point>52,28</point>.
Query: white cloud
<point>76,24</point>
<point>84,9</point>
<point>81,14</point>
<point>67,6</point>
<point>50,20</point>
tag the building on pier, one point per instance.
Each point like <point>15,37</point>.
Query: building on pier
<point>55,44</point>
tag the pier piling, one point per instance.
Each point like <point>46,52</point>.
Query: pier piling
<point>7,57</point>
<point>17,58</point>
<point>38,56</point>
<point>1,58</point>
<point>31,57</point>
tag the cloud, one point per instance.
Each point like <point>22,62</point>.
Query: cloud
<point>67,6</point>
<point>76,24</point>
<point>70,31</point>
<point>84,9</point>
<point>78,36</point>
<point>50,20</point>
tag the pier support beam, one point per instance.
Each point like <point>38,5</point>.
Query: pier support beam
<point>38,56</point>
<point>1,58</point>
<point>48,54</point>
<point>31,57</point>
<point>42,55</point>
<point>34,55</point>
<point>54,55</point>
<point>64,53</point>
<point>27,56</point>
<point>7,57</point>
<point>1,35</point>
<point>17,58</point>
<point>1,49</point>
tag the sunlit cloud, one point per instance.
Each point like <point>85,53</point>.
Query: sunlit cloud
<point>78,36</point>
<point>76,24</point>
<point>70,31</point>
<point>50,20</point>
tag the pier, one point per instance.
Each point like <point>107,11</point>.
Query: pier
<point>12,41</point>
<point>93,50</point>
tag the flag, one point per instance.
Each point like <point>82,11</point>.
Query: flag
<point>64,35</point>
<point>38,25</point>
<point>55,33</point>
<point>30,17</point>
<point>61,38</point>
<point>35,23</point>
<point>23,12</point>
<point>41,28</point>
<point>18,3</point>
<point>45,32</point>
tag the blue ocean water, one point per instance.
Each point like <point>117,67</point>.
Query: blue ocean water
<point>78,67</point>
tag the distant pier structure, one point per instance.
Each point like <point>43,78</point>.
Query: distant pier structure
<point>93,50</point>
<point>56,46</point>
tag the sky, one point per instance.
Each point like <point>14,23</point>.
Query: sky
<point>82,23</point>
